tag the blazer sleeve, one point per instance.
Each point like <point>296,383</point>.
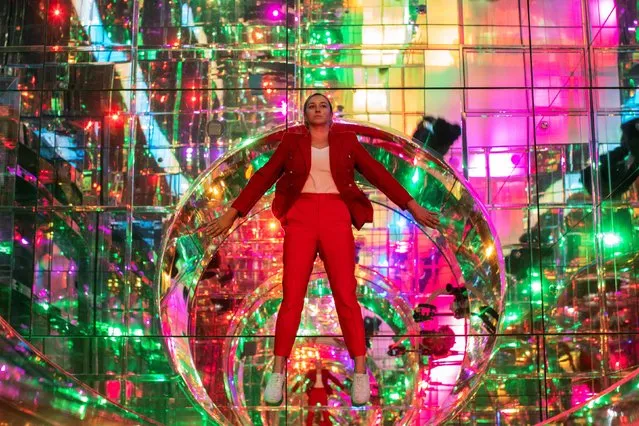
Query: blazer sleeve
<point>299,383</point>
<point>263,179</point>
<point>377,175</point>
<point>332,378</point>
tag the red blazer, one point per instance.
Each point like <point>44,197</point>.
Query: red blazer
<point>290,166</point>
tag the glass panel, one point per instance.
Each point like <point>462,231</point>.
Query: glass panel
<point>120,120</point>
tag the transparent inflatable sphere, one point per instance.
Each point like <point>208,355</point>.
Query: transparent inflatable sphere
<point>431,299</point>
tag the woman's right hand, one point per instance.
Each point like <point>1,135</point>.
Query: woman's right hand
<point>220,225</point>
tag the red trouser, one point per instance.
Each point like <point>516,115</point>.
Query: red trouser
<point>319,223</point>
<point>317,396</point>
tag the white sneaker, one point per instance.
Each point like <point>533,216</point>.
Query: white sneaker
<point>361,390</point>
<point>273,391</point>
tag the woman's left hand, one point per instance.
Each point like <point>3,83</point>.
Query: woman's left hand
<point>423,216</point>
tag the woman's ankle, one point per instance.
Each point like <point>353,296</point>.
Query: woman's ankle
<point>360,364</point>
<point>279,364</point>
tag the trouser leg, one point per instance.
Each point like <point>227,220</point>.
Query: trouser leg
<point>337,249</point>
<point>300,250</point>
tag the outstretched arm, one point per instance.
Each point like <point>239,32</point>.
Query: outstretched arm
<point>262,180</point>
<point>334,379</point>
<point>301,382</point>
<point>259,183</point>
<point>382,179</point>
<point>297,385</point>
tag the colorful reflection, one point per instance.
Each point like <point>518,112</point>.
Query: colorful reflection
<point>421,375</point>
<point>35,391</point>
<point>111,112</point>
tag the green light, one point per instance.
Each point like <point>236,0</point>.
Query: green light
<point>82,411</point>
<point>415,176</point>
<point>114,331</point>
<point>535,286</point>
<point>260,161</point>
<point>610,239</point>
<point>512,317</point>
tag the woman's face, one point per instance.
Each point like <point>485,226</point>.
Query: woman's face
<point>318,111</point>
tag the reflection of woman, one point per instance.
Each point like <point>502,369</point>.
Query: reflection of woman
<point>318,390</point>
<point>316,201</point>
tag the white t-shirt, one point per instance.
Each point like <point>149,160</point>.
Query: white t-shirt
<point>320,180</point>
<point>318,379</point>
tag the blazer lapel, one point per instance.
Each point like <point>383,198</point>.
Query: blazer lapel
<point>304,146</point>
<point>333,153</point>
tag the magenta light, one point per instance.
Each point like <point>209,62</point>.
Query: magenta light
<point>275,12</point>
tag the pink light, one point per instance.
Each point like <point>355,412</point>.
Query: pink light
<point>606,17</point>
<point>275,12</point>
<point>283,108</point>
<point>580,394</point>
<point>500,164</point>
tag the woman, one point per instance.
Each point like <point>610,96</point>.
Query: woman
<point>317,201</point>
<point>318,390</point>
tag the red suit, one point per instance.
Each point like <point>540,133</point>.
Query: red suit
<point>320,223</point>
<point>318,396</point>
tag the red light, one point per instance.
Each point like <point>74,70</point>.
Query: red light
<point>56,11</point>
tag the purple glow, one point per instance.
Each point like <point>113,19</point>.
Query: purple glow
<point>275,12</point>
